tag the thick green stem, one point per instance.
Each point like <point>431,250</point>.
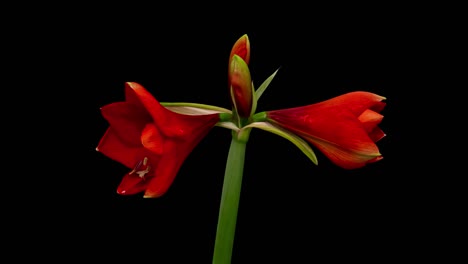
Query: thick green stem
<point>230,201</point>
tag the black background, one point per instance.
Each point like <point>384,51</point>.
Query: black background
<point>290,209</point>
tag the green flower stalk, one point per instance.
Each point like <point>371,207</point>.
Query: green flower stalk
<point>230,196</point>
<point>242,96</point>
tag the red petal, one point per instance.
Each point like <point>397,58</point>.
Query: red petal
<point>127,121</point>
<point>370,119</point>
<point>241,48</point>
<point>152,139</point>
<point>136,94</point>
<point>132,184</point>
<point>167,170</point>
<point>354,102</point>
<point>357,102</point>
<point>343,157</point>
<point>113,147</point>
<point>170,124</point>
<point>376,134</point>
<point>175,153</point>
<point>189,127</point>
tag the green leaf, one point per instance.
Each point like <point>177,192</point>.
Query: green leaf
<point>264,85</point>
<point>296,140</point>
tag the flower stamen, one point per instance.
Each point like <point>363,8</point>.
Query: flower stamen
<point>141,168</point>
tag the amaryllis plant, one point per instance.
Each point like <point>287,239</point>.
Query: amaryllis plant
<point>154,138</point>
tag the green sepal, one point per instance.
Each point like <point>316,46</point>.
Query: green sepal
<point>254,100</point>
<point>228,125</point>
<point>296,140</point>
<point>260,117</point>
<point>225,117</point>
<point>235,115</point>
<point>194,108</point>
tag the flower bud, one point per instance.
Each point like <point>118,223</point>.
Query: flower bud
<point>241,48</point>
<point>240,86</point>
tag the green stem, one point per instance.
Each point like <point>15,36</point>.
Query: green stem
<point>230,201</point>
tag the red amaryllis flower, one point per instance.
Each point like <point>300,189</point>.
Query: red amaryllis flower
<point>150,140</point>
<point>344,128</point>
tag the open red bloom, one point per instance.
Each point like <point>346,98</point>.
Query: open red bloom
<point>344,128</point>
<point>150,140</point>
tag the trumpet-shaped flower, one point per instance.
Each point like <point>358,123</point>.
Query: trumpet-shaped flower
<point>150,140</point>
<point>344,128</point>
